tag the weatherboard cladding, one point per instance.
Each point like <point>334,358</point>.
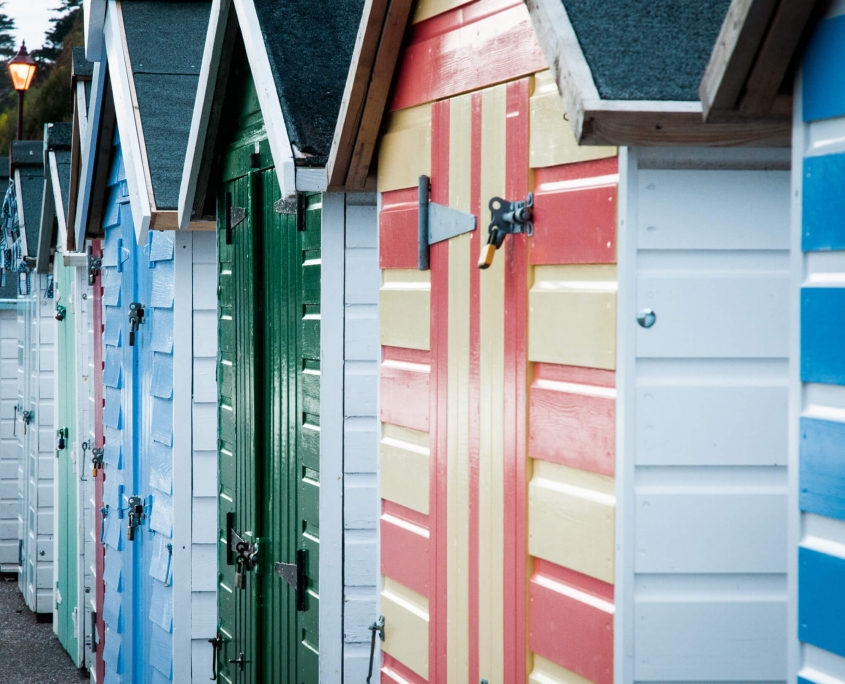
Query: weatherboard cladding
<point>655,50</point>
<point>165,41</point>
<point>322,35</point>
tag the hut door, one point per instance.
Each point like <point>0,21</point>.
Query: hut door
<point>269,378</point>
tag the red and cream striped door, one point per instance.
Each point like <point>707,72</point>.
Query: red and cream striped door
<point>497,386</point>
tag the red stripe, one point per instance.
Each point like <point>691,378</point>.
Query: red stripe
<point>474,383</point>
<point>397,228</point>
<point>420,356</point>
<point>100,553</point>
<point>466,49</point>
<point>515,389</point>
<point>565,628</point>
<point>586,169</point>
<point>404,548</point>
<point>573,225</point>
<point>404,388</point>
<point>439,398</point>
<point>571,427</point>
<point>394,672</point>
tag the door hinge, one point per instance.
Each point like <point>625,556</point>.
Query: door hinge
<point>436,223</point>
<point>506,218</point>
<point>232,217</point>
<point>136,318</point>
<point>294,575</point>
<point>294,204</point>
<point>95,265</point>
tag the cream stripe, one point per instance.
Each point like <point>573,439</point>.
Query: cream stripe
<point>457,513</point>
<point>492,358</point>
<point>405,626</point>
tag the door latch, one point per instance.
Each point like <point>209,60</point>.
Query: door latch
<point>246,556</point>
<point>26,417</point>
<point>136,317</point>
<point>506,218</point>
<point>136,515</point>
<point>216,645</point>
<point>96,460</point>
<point>95,265</point>
<point>376,628</point>
<point>62,441</point>
<point>61,312</point>
<point>294,575</point>
<point>239,661</point>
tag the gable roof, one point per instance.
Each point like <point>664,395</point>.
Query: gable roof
<point>27,169</point>
<point>298,52</point>
<point>54,211</point>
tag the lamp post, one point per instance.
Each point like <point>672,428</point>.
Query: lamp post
<point>21,69</point>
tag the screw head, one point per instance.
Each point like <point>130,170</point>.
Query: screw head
<point>646,318</point>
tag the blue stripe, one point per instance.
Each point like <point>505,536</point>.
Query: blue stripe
<point>822,331</point>
<point>823,66</point>
<point>822,471</point>
<point>823,204</point>
<point>821,604</point>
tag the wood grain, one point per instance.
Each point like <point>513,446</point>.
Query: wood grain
<point>397,228</point>
<point>404,547</point>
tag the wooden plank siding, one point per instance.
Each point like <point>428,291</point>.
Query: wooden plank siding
<point>497,384</point>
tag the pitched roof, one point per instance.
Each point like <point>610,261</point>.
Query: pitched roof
<point>309,47</point>
<point>57,164</point>
<point>654,50</point>
<point>165,43</point>
<point>27,162</point>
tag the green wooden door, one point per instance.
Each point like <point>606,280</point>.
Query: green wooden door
<point>66,515</point>
<point>268,374</point>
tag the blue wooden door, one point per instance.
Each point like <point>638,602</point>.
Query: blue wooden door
<point>820,133</point>
<point>138,429</point>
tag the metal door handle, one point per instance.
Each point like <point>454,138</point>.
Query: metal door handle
<point>239,661</point>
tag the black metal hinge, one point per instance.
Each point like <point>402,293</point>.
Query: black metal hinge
<point>232,217</point>
<point>436,223</point>
<point>294,574</point>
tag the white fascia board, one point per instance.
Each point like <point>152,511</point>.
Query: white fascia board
<point>268,99</point>
<point>93,17</point>
<point>60,209</point>
<point>81,109</point>
<point>88,149</point>
<point>130,141</point>
<point>311,179</point>
<point>21,216</point>
<point>202,109</point>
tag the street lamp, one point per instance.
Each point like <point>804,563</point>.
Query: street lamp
<point>21,69</point>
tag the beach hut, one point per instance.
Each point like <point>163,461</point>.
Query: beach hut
<point>297,317</point>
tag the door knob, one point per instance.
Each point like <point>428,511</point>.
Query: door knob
<point>646,318</point>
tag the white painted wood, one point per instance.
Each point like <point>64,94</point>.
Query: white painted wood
<point>265,86</point>
<point>93,16</point>
<point>202,109</point>
<point>676,210</point>
<point>88,140</point>
<point>9,502</point>
<point>714,314</point>
<point>822,666</point>
<point>311,180</point>
<point>331,437</point>
<point>201,248</point>
<point>183,306</point>
<point>127,123</point>
<point>701,479</point>
<point>718,421</point>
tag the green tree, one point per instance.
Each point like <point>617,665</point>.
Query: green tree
<point>8,48</point>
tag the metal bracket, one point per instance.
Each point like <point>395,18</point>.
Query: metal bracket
<point>437,223</point>
<point>136,317</point>
<point>95,265</point>
<point>506,218</point>
<point>232,217</point>
<point>292,205</point>
<point>294,575</point>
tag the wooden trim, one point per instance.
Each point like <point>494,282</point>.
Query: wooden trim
<point>48,217</point>
<point>89,152</point>
<point>80,124</point>
<point>127,123</point>
<point>367,87</point>
<point>733,56</point>
<point>64,238</point>
<point>101,142</point>
<point>202,225</point>
<point>164,220</point>
<point>94,17</point>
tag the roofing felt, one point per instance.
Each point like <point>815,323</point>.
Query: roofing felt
<point>310,45</point>
<point>57,139</point>
<point>27,158</point>
<point>165,42</point>
<point>647,49</point>
<point>4,173</point>
<point>81,68</point>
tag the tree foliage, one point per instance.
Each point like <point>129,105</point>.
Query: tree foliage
<point>49,99</point>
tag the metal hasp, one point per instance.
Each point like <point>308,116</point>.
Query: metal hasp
<point>96,460</point>
<point>95,265</point>
<point>376,628</point>
<point>242,553</point>
<point>136,515</point>
<point>61,443</point>
<point>232,216</point>
<point>437,222</point>
<point>136,317</point>
<point>506,218</point>
<point>27,417</point>
<point>61,312</point>
<point>294,574</point>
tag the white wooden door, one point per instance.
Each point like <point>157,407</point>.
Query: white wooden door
<point>9,502</point>
<point>702,420</point>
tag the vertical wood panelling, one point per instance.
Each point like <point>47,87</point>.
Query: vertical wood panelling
<point>397,228</point>
<point>405,149</point>
<point>457,511</point>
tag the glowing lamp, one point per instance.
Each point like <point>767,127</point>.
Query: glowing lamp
<point>22,69</point>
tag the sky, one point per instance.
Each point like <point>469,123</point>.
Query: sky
<point>32,18</point>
